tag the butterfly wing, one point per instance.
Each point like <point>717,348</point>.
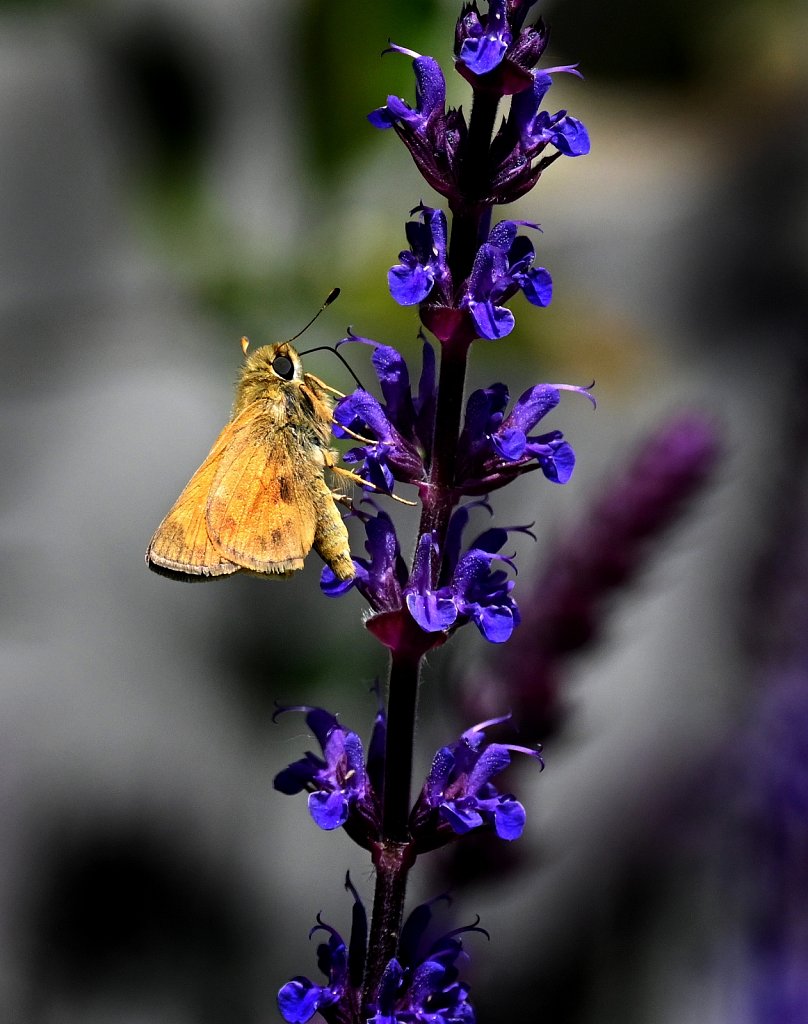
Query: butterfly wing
<point>261,508</point>
<point>181,548</point>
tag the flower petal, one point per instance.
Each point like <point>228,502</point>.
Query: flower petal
<point>331,585</point>
<point>492,321</point>
<point>557,460</point>
<point>329,810</point>
<point>509,818</point>
<point>394,380</point>
<point>298,1000</point>
<point>531,407</point>
<point>410,282</point>
<point>495,622</point>
<point>537,286</point>
<point>483,48</point>
<point>434,611</point>
<point>510,443</point>
<point>294,778</point>
<point>494,759</point>
<point>483,54</point>
<point>572,138</point>
<point>461,818</point>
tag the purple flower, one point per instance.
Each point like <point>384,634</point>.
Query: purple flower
<point>494,448</point>
<point>338,1000</point>
<point>526,133</point>
<point>420,985</point>
<point>496,51</point>
<point>537,128</point>
<point>433,135</point>
<point>300,998</point>
<point>459,796</point>
<point>381,577</point>
<point>428,993</point>
<point>503,266</point>
<point>484,40</point>
<point>423,267</point>
<point>400,430</point>
<point>340,786</point>
<point>467,588</point>
<point>497,54</point>
<point>430,96</point>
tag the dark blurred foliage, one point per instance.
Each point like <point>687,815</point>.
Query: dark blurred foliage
<point>750,268</point>
<point>121,910</point>
<point>166,93</point>
<point>631,43</point>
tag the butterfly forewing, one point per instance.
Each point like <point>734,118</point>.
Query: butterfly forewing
<point>260,510</point>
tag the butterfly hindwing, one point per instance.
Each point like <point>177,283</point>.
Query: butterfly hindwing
<point>181,548</point>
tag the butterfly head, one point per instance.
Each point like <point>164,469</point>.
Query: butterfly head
<point>278,362</point>
<point>271,369</point>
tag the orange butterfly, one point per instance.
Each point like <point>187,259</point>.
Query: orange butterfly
<point>260,502</point>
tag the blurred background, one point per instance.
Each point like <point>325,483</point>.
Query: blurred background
<point>174,175</point>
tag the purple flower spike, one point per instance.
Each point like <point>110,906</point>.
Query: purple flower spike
<point>424,266</point>
<point>337,783</point>
<point>459,796</point>
<point>502,267</point>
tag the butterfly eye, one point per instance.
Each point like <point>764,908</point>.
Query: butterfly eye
<point>283,366</point>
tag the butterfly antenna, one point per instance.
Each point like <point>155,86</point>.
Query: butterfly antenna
<point>328,348</point>
<point>339,355</point>
<point>329,299</point>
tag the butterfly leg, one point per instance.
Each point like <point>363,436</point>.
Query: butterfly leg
<point>356,437</point>
<point>357,479</point>
<point>326,387</point>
